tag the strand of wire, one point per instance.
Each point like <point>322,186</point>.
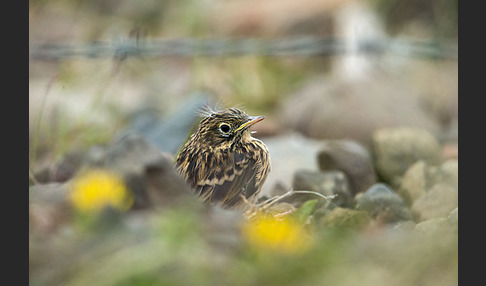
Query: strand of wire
<point>226,47</point>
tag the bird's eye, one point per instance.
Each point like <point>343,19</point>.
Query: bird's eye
<point>224,128</point>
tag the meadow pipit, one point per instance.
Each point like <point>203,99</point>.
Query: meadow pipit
<point>222,161</point>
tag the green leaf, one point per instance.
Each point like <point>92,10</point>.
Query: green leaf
<point>304,211</point>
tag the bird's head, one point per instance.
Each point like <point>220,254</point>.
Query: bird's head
<point>225,126</point>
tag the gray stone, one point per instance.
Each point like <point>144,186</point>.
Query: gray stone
<point>278,189</point>
<point>352,159</point>
<point>131,153</point>
<point>63,170</point>
<point>168,134</point>
<point>430,226</point>
<point>329,109</point>
<point>165,187</point>
<point>396,149</point>
<point>438,202</point>
<point>383,204</point>
<point>326,183</point>
<point>149,173</point>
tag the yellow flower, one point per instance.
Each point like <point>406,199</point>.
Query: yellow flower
<point>282,235</point>
<point>95,189</point>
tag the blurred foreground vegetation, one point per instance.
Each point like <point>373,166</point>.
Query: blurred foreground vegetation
<point>188,244</point>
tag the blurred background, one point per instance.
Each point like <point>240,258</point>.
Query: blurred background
<point>320,71</point>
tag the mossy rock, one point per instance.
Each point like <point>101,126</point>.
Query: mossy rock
<point>346,218</point>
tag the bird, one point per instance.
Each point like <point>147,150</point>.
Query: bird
<point>222,162</point>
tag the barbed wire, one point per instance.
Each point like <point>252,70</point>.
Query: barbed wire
<point>227,47</point>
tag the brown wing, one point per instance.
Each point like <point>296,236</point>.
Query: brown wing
<point>232,178</point>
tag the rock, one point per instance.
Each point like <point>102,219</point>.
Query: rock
<point>130,154</point>
<point>168,134</point>
<point>383,204</point>
<point>49,207</point>
<point>326,183</point>
<point>453,217</point>
<point>267,128</point>
<point>352,159</point>
<point>165,187</point>
<point>414,182</point>
<point>63,170</point>
<point>222,227</point>
<point>453,220</point>
<point>137,184</point>
<point>430,226</point>
<point>346,218</point>
<point>322,211</point>
<point>450,151</point>
<point>448,173</point>
<point>278,189</point>
<point>438,202</point>
<point>288,153</point>
<point>420,177</point>
<point>405,226</point>
<point>54,193</point>
<point>331,109</point>
<point>149,173</point>
<point>396,149</point>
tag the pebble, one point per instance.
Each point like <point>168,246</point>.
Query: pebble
<point>326,183</point>
<point>438,202</point>
<point>414,182</point>
<point>396,149</point>
<point>420,177</point>
<point>352,159</point>
<point>430,226</point>
<point>383,204</point>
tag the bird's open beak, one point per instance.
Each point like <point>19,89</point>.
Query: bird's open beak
<point>253,120</point>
